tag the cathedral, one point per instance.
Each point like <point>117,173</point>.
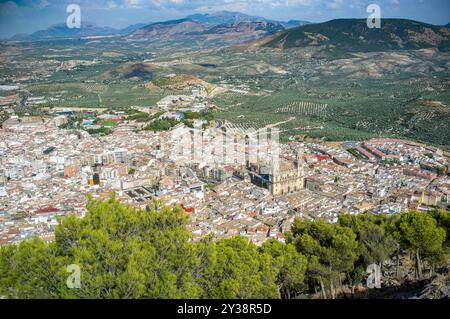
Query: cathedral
<point>288,178</point>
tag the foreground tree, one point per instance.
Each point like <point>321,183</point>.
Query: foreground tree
<point>423,237</point>
<point>442,218</point>
<point>291,266</point>
<point>331,249</point>
<point>124,252</point>
<point>237,269</point>
<point>377,244</point>
<point>32,269</point>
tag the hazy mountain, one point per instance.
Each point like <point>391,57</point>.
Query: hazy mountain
<point>132,28</point>
<point>227,17</point>
<point>354,35</point>
<point>168,30</point>
<point>190,32</point>
<point>236,22</point>
<point>19,36</point>
<point>60,30</point>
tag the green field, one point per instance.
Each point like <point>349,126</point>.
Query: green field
<point>326,97</point>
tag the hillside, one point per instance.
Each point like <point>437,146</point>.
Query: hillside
<point>182,82</point>
<point>130,71</point>
<point>132,28</point>
<point>294,23</point>
<point>169,30</point>
<point>243,30</point>
<point>190,32</point>
<point>353,35</point>
<point>211,30</point>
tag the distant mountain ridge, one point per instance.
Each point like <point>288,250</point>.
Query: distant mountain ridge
<point>228,17</point>
<point>167,30</point>
<point>189,31</point>
<point>219,28</point>
<point>353,35</point>
<point>223,17</point>
<point>294,23</point>
<point>201,21</point>
<point>132,28</point>
<point>61,31</point>
<point>266,27</point>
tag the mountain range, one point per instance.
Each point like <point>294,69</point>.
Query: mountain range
<point>227,17</point>
<point>187,32</point>
<point>235,21</point>
<point>339,37</point>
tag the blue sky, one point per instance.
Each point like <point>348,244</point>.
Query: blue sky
<point>26,16</point>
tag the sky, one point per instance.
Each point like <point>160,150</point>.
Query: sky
<point>27,16</point>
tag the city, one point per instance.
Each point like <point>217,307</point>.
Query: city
<point>47,172</point>
<point>216,153</point>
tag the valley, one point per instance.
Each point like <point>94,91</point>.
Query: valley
<point>389,93</point>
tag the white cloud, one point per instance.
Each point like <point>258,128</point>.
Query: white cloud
<point>132,3</point>
<point>334,4</point>
<point>111,4</point>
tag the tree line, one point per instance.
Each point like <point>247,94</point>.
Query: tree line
<point>125,252</point>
